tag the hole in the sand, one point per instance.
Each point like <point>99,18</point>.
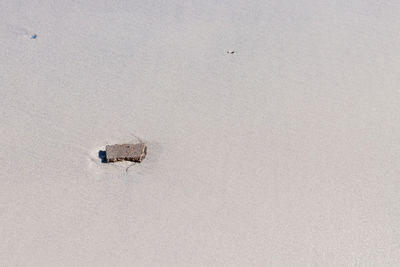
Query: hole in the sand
<point>102,156</point>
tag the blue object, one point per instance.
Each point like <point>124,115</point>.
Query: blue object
<point>34,36</point>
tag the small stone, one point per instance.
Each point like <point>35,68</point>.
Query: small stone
<point>129,152</point>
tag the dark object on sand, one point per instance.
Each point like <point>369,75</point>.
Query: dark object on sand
<point>130,152</point>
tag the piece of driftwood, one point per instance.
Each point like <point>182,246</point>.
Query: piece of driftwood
<point>130,152</point>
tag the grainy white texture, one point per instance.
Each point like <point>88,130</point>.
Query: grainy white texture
<point>285,153</point>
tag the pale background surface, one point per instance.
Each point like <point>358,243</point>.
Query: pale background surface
<point>286,153</point>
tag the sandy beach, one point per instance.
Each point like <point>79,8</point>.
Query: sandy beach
<point>272,132</point>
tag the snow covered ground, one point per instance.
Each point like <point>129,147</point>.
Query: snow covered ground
<point>284,153</point>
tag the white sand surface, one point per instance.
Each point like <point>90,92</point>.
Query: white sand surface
<point>285,153</point>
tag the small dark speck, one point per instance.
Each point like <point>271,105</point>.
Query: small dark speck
<point>34,36</point>
<point>230,52</point>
